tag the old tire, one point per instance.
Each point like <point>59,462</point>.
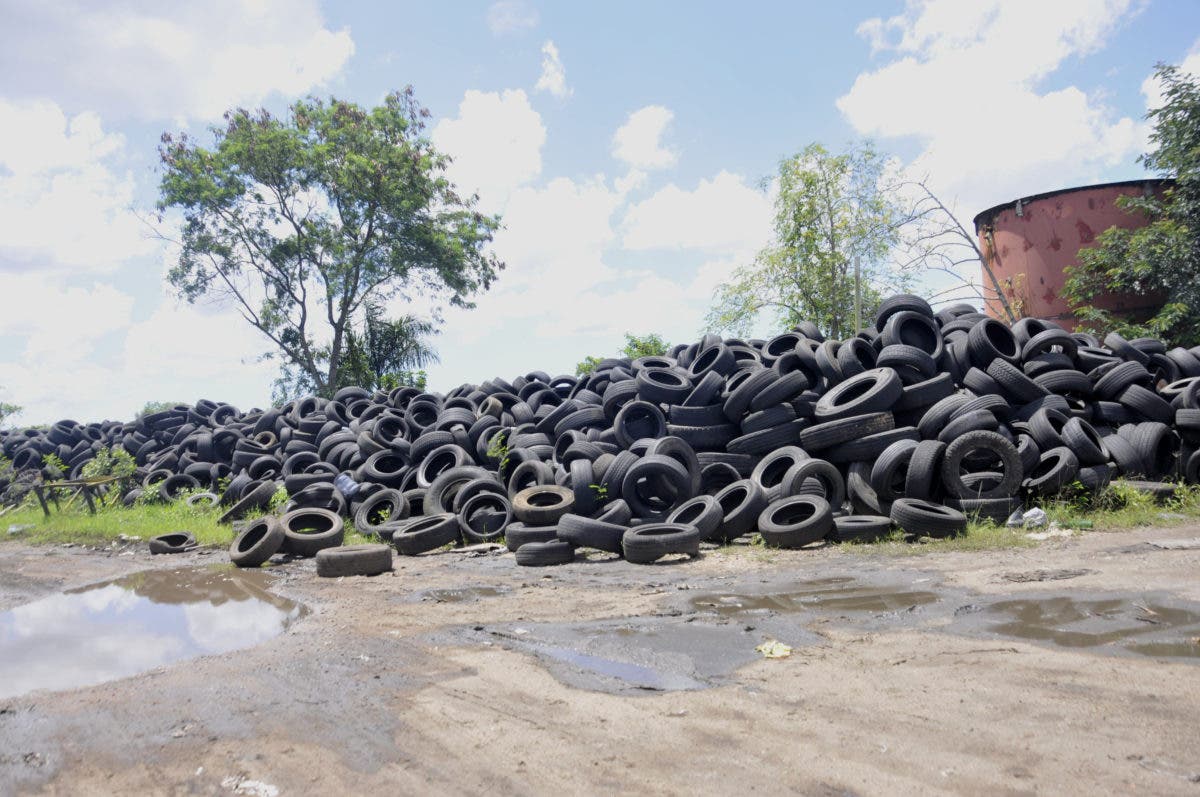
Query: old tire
<point>354,560</point>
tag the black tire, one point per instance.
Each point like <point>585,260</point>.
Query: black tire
<point>769,417</point>
<point>758,443</point>
<point>705,438</point>
<point>662,386</point>
<point>869,447</point>
<point>900,303</point>
<point>1082,438</point>
<point>545,554</point>
<point>484,517</point>
<point>979,420</point>
<point>926,519</point>
<point>170,487</point>
<point>1117,378</point>
<point>738,401</point>
<point>716,476</point>
<point>203,500</point>
<point>518,534</point>
<point>783,389</point>
<point>990,340</point>
<point>914,329</point>
<point>924,469</point>
<point>832,485</point>
<point>311,529</point>
<point>258,542</point>
<point>936,417</point>
<point>1144,403</point>
<point>543,505</point>
<point>910,363</point>
<point>889,472</point>
<point>862,528</point>
<point>1156,449</point>
<point>646,544</point>
<point>741,502</point>
<point>638,420</point>
<point>591,533</point>
<point>872,391</point>
<point>256,499</point>
<point>439,496</point>
<point>354,560</point>
<point>369,519</point>
<point>796,521</point>
<point>862,498</point>
<point>1014,384</point>
<point>958,450</point>
<point>426,533</point>
<point>772,470</point>
<point>704,512</point>
<point>826,435</point>
<point>925,394</point>
<point>1056,468</point>
<point>175,542</point>
<point>654,485</point>
<point>1045,340</point>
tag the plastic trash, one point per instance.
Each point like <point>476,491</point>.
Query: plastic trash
<point>347,486</point>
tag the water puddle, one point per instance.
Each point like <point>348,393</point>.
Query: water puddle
<point>638,655</point>
<point>462,594</point>
<point>118,628</point>
<point>836,594</point>
<point>1149,627</point>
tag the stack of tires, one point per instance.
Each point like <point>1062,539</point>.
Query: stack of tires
<point>919,422</point>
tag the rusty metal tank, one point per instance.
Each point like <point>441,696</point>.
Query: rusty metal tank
<point>1029,242</point>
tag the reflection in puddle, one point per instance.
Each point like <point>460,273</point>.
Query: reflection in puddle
<point>1145,627</point>
<point>826,594</point>
<point>462,594</point>
<point>118,628</point>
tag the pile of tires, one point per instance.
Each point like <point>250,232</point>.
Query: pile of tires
<point>918,423</point>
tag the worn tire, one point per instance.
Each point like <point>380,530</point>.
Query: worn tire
<point>426,533</point>
<point>354,560</point>
<point>175,542</point>
<point>849,528</point>
<point>545,554</point>
<point>258,542</point>
<point>646,544</point>
<point>926,519</point>
<point>591,533</point>
<point>795,521</point>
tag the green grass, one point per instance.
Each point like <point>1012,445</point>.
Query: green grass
<point>142,520</point>
<point>980,536</point>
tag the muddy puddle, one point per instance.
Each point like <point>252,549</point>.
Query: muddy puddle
<point>1149,625</point>
<point>834,594</point>
<point>118,628</point>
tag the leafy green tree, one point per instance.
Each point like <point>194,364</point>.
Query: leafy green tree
<point>307,222</point>
<point>7,411</point>
<point>831,211</point>
<point>650,345</point>
<point>1163,256</point>
<point>152,407</point>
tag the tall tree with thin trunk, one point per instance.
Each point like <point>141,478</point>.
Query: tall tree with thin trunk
<point>832,210</point>
<point>304,223</point>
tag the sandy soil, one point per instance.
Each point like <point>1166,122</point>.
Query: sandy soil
<point>462,673</point>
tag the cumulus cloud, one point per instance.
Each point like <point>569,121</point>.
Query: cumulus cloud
<point>1151,89</point>
<point>638,142</point>
<point>554,75</point>
<point>721,214</point>
<point>63,205</point>
<point>496,143</point>
<point>510,16</point>
<point>167,60</point>
<point>965,80</point>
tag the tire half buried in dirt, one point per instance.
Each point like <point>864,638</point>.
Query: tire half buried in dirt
<point>354,560</point>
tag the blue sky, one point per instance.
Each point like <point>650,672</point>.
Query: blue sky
<point>626,145</point>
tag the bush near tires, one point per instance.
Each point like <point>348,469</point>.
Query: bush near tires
<point>921,421</point>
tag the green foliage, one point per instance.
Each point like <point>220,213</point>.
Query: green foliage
<point>7,411</point>
<point>77,525</point>
<point>384,353</point>
<point>109,462</point>
<point>649,345</point>
<point>831,210</point>
<point>1162,257</point>
<point>55,465</point>
<point>309,224</point>
<point>278,500</point>
<point>152,407</point>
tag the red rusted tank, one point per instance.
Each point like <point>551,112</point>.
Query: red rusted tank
<point>1029,242</point>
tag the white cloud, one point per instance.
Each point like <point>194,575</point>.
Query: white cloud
<point>510,16</point>
<point>963,79</point>
<point>62,204</point>
<point>168,60</point>
<point>496,142</point>
<point>721,214</point>
<point>638,142</point>
<point>554,75</point>
<point>1190,65</point>
<point>61,323</point>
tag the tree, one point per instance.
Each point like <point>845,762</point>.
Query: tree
<point>1163,256</point>
<point>310,224</point>
<point>7,411</point>
<point>651,345</point>
<point>151,407</point>
<point>387,353</point>
<point>832,211</point>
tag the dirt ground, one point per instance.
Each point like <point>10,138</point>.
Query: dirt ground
<point>1066,668</point>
